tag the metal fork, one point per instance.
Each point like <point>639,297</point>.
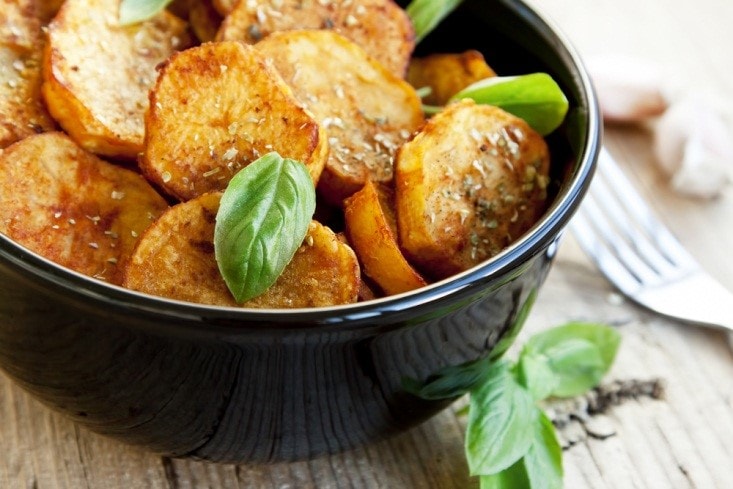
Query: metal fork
<point>641,257</point>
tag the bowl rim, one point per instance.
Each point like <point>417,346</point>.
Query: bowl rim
<point>548,228</point>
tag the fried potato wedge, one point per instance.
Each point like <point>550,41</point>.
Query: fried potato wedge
<point>473,180</point>
<point>216,108</point>
<point>204,20</point>
<point>447,74</point>
<point>380,27</point>
<point>371,228</point>
<point>97,74</point>
<point>175,259</point>
<point>368,112</point>
<point>22,112</point>
<point>71,207</point>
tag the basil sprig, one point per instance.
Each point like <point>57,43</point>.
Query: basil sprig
<point>510,441</point>
<point>133,11</point>
<point>427,14</point>
<point>521,450</point>
<point>262,220</point>
<point>535,97</point>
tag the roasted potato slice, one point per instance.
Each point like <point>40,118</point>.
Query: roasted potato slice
<point>204,20</point>
<point>380,27</point>
<point>175,259</point>
<point>368,112</point>
<point>473,180</point>
<point>71,207</point>
<point>447,74</point>
<point>372,231</point>
<point>21,45</point>
<point>216,108</point>
<point>97,74</point>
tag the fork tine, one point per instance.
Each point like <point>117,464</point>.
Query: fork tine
<point>636,207</point>
<point>625,255</point>
<point>598,250</point>
<point>611,205</point>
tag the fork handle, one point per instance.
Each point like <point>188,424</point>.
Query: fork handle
<point>713,307</point>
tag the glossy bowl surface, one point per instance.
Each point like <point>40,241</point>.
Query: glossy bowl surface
<point>232,385</point>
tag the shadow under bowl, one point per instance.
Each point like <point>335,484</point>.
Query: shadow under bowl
<point>232,385</point>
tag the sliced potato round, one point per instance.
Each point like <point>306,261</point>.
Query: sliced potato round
<point>381,27</point>
<point>71,207</point>
<point>447,74</point>
<point>216,108</point>
<point>175,259</point>
<point>473,180</point>
<point>21,45</point>
<point>371,228</point>
<point>97,74</point>
<point>368,112</point>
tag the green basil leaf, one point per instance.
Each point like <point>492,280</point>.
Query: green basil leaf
<point>449,382</point>
<point>427,14</point>
<point>543,460</point>
<point>539,468</point>
<point>536,375</point>
<point>578,354</point>
<point>133,11</point>
<point>262,220</point>
<point>500,422</point>
<point>515,477</point>
<point>536,98</point>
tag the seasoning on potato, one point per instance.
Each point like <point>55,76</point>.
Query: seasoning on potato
<point>380,27</point>
<point>175,259</point>
<point>21,45</point>
<point>97,73</point>
<point>473,180</point>
<point>216,108</point>
<point>367,112</point>
<point>71,207</point>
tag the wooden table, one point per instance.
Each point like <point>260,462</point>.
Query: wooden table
<point>684,440</point>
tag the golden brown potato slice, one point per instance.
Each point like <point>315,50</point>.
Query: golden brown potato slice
<point>204,20</point>
<point>447,74</point>
<point>380,27</point>
<point>215,109</point>
<point>71,207</point>
<point>372,233</point>
<point>473,180</point>
<point>97,74</point>
<point>175,259</point>
<point>21,44</point>
<point>368,112</point>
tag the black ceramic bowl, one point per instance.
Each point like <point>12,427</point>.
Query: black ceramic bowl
<point>237,385</point>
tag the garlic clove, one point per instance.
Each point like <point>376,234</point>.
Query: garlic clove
<point>692,144</point>
<point>629,89</point>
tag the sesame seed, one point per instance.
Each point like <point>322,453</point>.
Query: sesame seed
<point>117,195</point>
<point>230,154</point>
<point>166,176</point>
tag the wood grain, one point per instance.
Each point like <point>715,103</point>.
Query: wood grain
<point>684,440</point>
